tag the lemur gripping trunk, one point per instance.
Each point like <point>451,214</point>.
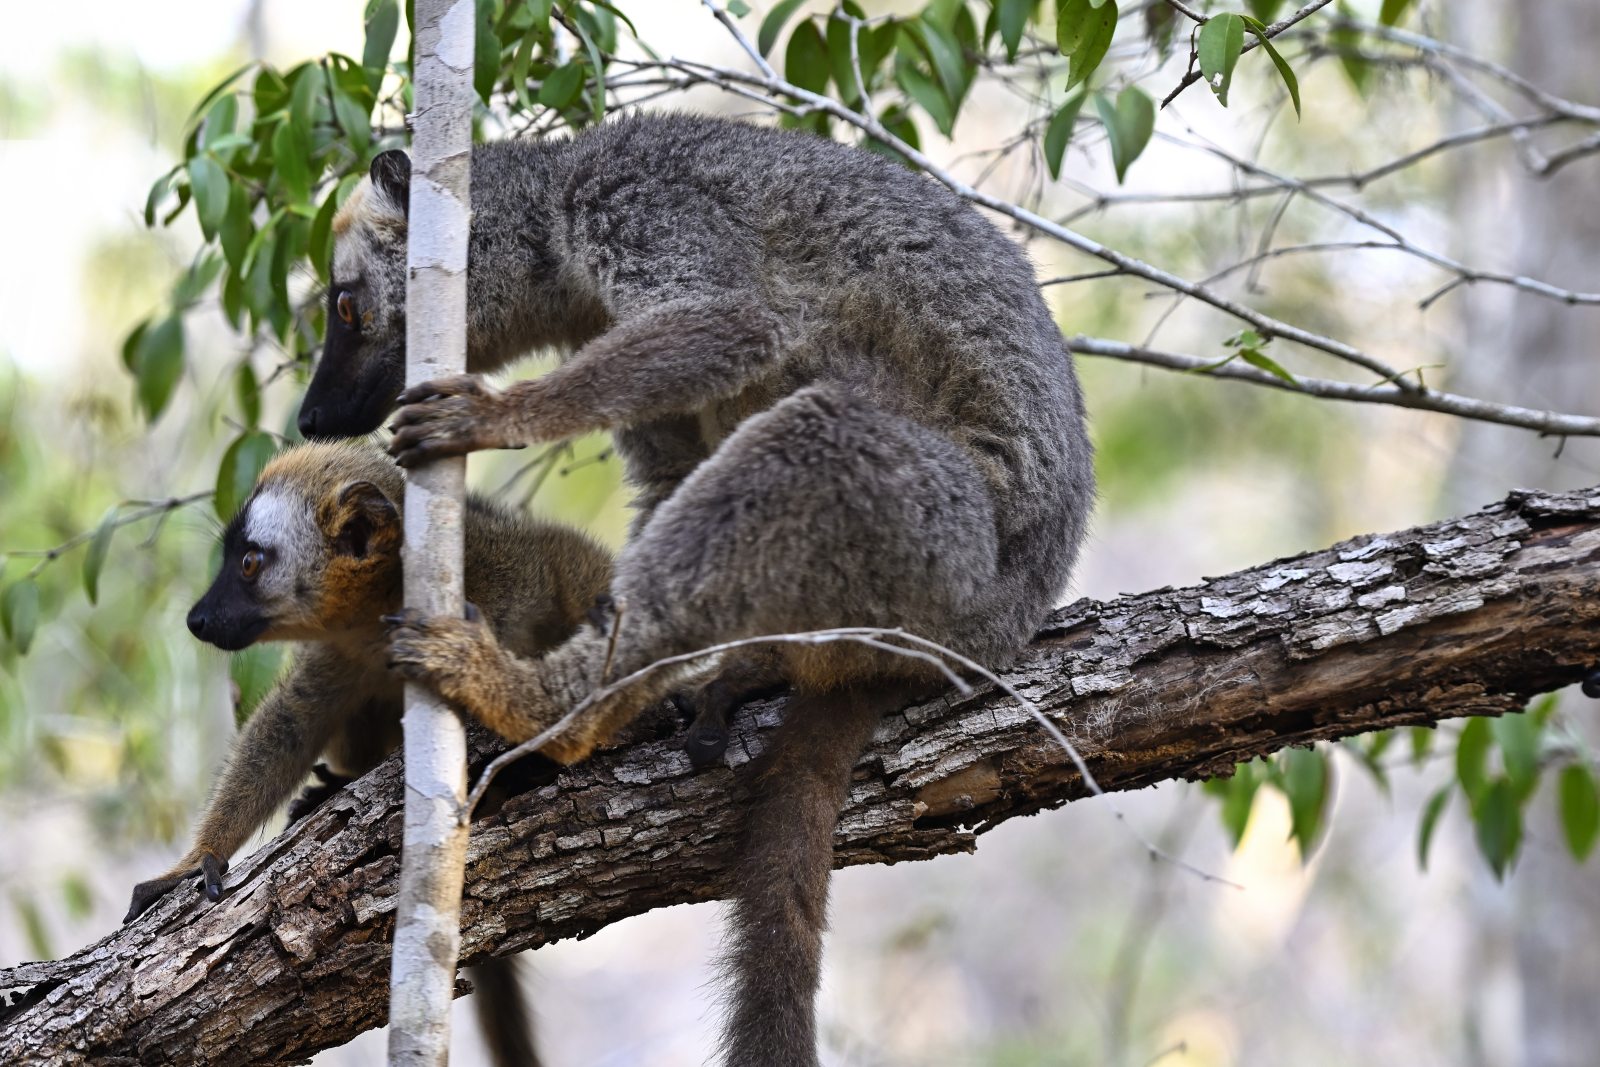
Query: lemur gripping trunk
<point>841,402</point>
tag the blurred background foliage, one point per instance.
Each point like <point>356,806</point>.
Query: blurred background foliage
<point>142,364</point>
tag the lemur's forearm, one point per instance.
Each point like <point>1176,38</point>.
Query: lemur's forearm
<point>674,357</point>
<point>271,758</point>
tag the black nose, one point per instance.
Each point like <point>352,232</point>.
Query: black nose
<point>308,423</point>
<point>197,624</point>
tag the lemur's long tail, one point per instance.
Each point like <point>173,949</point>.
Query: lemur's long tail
<point>503,1014</point>
<point>773,948</point>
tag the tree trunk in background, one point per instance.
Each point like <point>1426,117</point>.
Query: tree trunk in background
<point>1531,351</point>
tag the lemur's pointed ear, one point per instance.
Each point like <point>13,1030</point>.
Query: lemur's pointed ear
<point>362,519</point>
<point>391,175</point>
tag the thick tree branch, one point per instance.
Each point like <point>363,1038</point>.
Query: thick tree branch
<point>1465,617</point>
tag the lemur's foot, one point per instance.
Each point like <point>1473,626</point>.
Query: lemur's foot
<point>147,893</point>
<point>450,417</point>
<point>705,742</point>
<point>312,796</point>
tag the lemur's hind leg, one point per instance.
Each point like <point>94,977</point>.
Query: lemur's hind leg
<point>312,796</point>
<point>822,511</point>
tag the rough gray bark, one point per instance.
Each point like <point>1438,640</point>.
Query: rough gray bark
<point>1466,617</point>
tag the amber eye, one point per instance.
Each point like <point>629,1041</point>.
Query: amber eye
<point>250,565</point>
<point>346,307</point>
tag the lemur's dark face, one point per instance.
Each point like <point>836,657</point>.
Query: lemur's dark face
<point>236,610</point>
<point>363,363</point>
<point>314,552</point>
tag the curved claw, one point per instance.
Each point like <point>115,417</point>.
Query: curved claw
<point>211,871</point>
<point>455,385</point>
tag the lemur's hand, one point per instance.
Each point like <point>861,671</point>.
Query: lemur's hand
<point>451,417</point>
<point>457,658</point>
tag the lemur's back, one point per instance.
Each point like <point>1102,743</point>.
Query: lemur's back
<point>884,279</point>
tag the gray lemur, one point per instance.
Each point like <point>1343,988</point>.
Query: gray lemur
<point>841,400</point>
<point>313,556</point>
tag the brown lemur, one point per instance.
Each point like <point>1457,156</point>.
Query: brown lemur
<point>840,399</point>
<point>313,557</point>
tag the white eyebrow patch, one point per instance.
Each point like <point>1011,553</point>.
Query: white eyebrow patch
<point>277,521</point>
<point>283,523</point>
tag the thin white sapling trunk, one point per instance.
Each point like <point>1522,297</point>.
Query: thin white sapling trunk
<point>427,936</point>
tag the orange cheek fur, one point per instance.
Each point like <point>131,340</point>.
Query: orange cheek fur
<point>359,590</point>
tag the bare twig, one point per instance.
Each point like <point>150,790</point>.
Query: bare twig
<point>1548,423</point>
<point>145,509</point>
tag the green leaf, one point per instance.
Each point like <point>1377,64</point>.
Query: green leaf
<point>353,119</point>
<point>1345,41</point>
<point>160,364</point>
<point>1256,358</point>
<point>1518,738</point>
<point>1265,10</point>
<point>1101,27</point>
<point>158,193</point>
<point>806,62</point>
<point>584,19</point>
<point>1059,132</point>
<point>944,51</point>
<point>1430,822</point>
<point>19,613</point>
<point>1238,796</point>
<point>248,392</point>
<point>1421,743</point>
<point>520,63</point>
<point>1472,759</point>
<point>1499,824</point>
<point>271,92</point>
<point>1129,123</point>
<point>320,244</point>
<point>254,670</point>
<point>236,229</point>
<point>738,8</point>
<point>772,25</point>
<point>95,558</point>
<point>486,53</point>
<point>382,22</point>
<point>289,156</point>
<point>1305,783</point>
<point>193,283</point>
<point>216,91</point>
<point>1393,11</point>
<point>1011,16</point>
<point>1284,70</point>
<point>130,346</point>
<point>306,86</point>
<point>1580,810</point>
<point>868,51</point>
<point>210,184</point>
<point>220,121</point>
<point>562,87</point>
<point>1072,23</point>
<point>241,465</point>
<point>925,92</point>
<point>1221,38</point>
<point>898,122</point>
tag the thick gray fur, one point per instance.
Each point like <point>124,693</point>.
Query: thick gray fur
<point>841,398</point>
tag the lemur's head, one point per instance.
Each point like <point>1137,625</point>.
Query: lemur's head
<point>363,365</point>
<point>314,552</point>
